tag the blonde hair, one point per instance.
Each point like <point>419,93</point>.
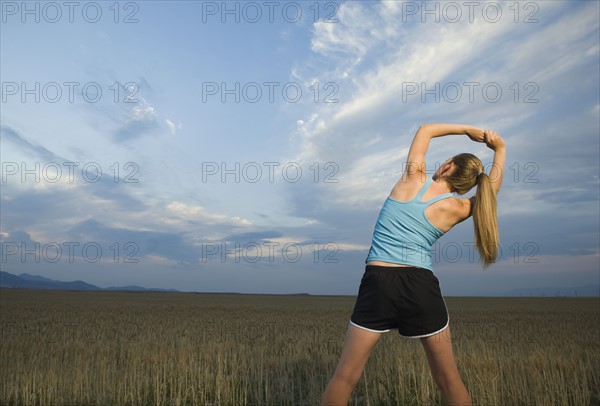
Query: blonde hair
<point>470,172</point>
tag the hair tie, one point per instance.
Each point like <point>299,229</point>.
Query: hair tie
<point>478,177</point>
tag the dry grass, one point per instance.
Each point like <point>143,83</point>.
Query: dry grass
<point>190,349</point>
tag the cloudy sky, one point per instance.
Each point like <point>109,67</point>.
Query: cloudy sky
<point>248,146</point>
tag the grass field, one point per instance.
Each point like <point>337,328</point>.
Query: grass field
<point>117,348</point>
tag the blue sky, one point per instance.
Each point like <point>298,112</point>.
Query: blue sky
<point>186,187</point>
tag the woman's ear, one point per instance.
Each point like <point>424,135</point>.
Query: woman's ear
<point>447,167</point>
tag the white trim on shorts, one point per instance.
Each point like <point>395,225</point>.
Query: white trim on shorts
<point>368,329</point>
<point>430,334</point>
<point>435,332</point>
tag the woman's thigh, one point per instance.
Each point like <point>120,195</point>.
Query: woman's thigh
<point>440,356</point>
<point>358,345</point>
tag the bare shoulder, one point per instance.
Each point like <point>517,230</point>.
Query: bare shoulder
<point>462,207</point>
<point>446,213</point>
<point>456,208</point>
<point>407,187</point>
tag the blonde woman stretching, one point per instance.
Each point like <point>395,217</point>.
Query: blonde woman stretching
<point>398,289</point>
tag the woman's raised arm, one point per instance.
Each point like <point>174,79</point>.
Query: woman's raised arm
<point>496,143</point>
<point>416,155</point>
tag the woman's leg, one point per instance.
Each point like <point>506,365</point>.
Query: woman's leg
<point>440,356</point>
<point>357,347</point>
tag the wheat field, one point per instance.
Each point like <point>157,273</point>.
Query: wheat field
<point>120,348</point>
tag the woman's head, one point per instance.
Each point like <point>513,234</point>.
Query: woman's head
<point>462,172</point>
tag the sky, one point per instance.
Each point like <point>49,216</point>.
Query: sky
<point>248,146</point>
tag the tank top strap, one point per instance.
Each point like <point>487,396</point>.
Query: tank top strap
<point>438,198</point>
<point>423,189</point>
<point>435,199</point>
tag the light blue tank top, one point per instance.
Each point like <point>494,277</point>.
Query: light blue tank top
<point>402,234</point>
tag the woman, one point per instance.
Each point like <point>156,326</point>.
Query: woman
<point>398,289</point>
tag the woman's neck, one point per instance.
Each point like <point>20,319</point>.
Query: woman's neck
<point>441,185</point>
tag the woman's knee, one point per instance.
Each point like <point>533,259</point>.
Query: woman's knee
<point>348,377</point>
<point>447,379</point>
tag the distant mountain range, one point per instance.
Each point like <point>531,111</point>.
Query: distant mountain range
<point>24,280</point>
<point>588,290</point>
<point>27,281</point>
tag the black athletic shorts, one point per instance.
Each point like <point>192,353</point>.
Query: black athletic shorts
<point>404,298</point>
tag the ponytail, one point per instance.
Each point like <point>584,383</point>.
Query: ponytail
<point>470,173</point>
<point>485,220</point>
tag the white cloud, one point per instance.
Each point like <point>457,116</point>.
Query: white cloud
<point>362,132</point>
<point>187,212</point>
<point>570,41</point>
<point>173,127</point>
<point>143,112</point>
<point>370,178</point>
<point>352,247</point>
<point>160,260</point>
